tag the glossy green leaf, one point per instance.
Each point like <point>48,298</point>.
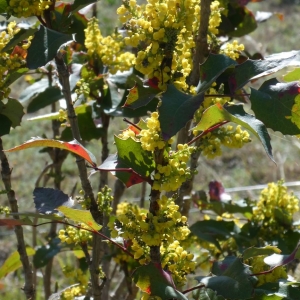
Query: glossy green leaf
<point>235,113</point>
<point>254,251</point>
<point>254,69</point>
<point>233,283</point>
<point>48,96</point>
<point>153,280</point>
<point>13,110</point>
<point>79,4</point>
<point>276,105</point>
<point>206,294</point>
<point>73,147</point>
<point>213,231</point>
<point>12,76</point>
<point>13,262</point>
<point>44,46</point>
<point>5,125</point>
<point>80,216</point>
<point>292,75</point>
<point>45,253</point>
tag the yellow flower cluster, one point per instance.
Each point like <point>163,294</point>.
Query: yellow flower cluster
<point>104,200</point>
<point>175,171</point>
<point>27,8</point>
<point>273,201</point>
<point>227,136</point>
<point>232,49</point>
<point>151,138</point>
<point>258,265</point>
<point>178,261</point>
<point>8,62</point>
<point>78,276</point>
<point>164,33</point>
<point>109,49</point>
<point>5,210</point>
<point>74,235</point>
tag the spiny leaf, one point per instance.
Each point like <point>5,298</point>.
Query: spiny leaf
<point>153,280</point>
<point>275,104</point>
<point>13,262</point>
<point>79,4</point>
<point>80,216</point>
<point>13,110</point>
<point>292,75</point>
<point>45,253</point>
<point>72,146</point>
<point>254,69</point>
<point>253,251</point>
<point>216,114</point>
<point>44,46</point>
<point>206,294</point>
<point>47,200</point>
<point>140,95</point>
<point>233,283</point>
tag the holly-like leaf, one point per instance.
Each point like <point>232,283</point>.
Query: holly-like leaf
<point>79,4</point>
<point>292,75</point>
<point>5,125</point>
<point>213,231</point>
<point>48,96</point>
<point>283,289</point>
<point>132,165</point>
<point>12,76</point>
<point>72,146</point>
<point>80,216</point>
<point>276,105</point>
<point>233,283</point>
<point>44,46</point>
<point>140,95</point>
<point>206,294</point>
<point>45,253</point>
<point>13,262</point>
<point>254,69</point>
<point>217,113</point>
<point>253,251</point>
<point>13,110</point>
<point>153,280</point>
<point>47,200</point>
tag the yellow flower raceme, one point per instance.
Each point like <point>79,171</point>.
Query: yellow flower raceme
<point>232,49</point>
<point>164,33</point>
<point>27,8</point>
<point>109,49</point>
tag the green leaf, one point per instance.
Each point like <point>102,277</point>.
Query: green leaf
<point>13,262</point>
<point>5,125</point>
<point>253,251</point>
<point>153,280</point>
<point>292,76</point>
<point>238,22</point>
<point>79,4</point>
<point>22,35</point>
<point>48,96</point>
<point>216,114</point>
<point>283,289</point>
<point>132,154</point>
<point>206,294</point>
<point>44,46</point>
<point>13,110</point>
<point>14,75</point>
<point>80,216</point>
<point>275,104</point>
<point>78,25</point>
<point>3,6</point>
<point>140,95</point>
<point>72,146</point>
<point>45,253</point>
<point>254,69</point>
<point>88,129</point>
<point>213,231</point>
<point>234,282</point>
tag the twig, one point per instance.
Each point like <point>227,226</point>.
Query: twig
<point>132,124</point>
<point>28,288</point>
<point>97,251</point>
<point>193,288</point>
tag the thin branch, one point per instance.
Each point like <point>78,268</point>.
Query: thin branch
<point>97,252</point>
<point>193,288</point>
<point>132,124</point>
<point>28,288</point>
